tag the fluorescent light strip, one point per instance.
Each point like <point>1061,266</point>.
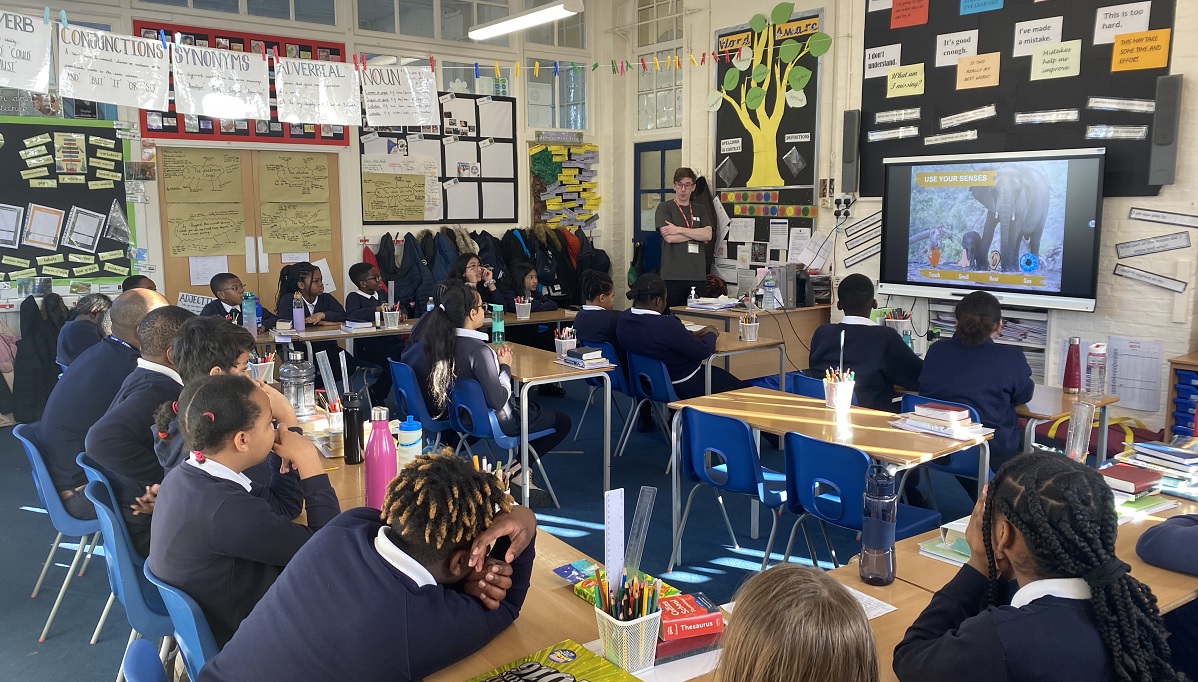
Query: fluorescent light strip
<point>527,19</point>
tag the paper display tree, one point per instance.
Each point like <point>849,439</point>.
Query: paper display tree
<point>765,79</point>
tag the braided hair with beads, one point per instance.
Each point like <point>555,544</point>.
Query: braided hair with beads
<point>1066,514</point>
<point>438,503</point>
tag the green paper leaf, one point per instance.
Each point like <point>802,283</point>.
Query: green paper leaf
<point>781,12</point>
<point>754,98</point>
<point>714,101</point>
<point>799,75</point>
<point>731,79</point>
<point>757,23</point>
<point>819,43</point>
<point>760,73</point>
<point>789,50</point>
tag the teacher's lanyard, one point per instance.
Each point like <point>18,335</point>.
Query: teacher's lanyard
<point>690,222</point>
<point>121,342</point>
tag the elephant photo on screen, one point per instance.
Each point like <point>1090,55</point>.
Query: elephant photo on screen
<point>1018,202</point>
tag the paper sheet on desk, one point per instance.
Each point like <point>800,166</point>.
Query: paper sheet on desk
<point>873,607</point>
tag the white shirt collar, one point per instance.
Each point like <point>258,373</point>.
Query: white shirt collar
<point>592,307</point>
<point>643,311</point>
<point>401,561</point>
<point>161,369</point>
<point>373,297</point>
<point>1065,588</point>
<point>310,306</point>
<point>472,334</point>
<point>857,319</point>
<point>217,470</point>
<point>228,308</point>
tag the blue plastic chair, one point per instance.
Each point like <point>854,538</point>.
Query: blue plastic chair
<point>93,473</point>
<point>649,382</point>
<point>618,376</point>
<point>141,663</point>
<point>808,387</point>
<point>720,452</point>
<point>826,481</point>
<point>963,463</point>
<point>410,401</point>
<point>471,416</point>
<point>64,523</point>
<point>192,633</point>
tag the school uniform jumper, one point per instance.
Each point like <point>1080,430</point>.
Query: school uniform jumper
<point>665,338</point>
<point>375,350</point>
<point>218,308</point>
<point>1173,544</point>
<point>390,619</point>
<point>221,543</point>
<point>683,265</point>
<point>992,378</point>
<point>875,353</point>
<point>77,402</point>
<point>333,312</point>
<point>122,441</point>
<point>1045,634</point>
<point>75,337</point>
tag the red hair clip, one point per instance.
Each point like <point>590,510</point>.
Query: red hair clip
<point>175,407</point>
<point>199,456</point>
<point>211,417</point>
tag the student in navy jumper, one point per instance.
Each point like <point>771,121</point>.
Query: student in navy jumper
<point>85,327</point>
<point>1047,527</point>
<point>361,306</point>
<point>874,352</point>
<point>122,441</point>
<point>971,368</point>
<point>405,595</point>
<point>527,288</point>
<point>214,538</point>
<point>307,280</point>
<point>138,282</point>
<point>469,269</point>
<point>227,288</point>
<point>82,396</point>
<point>1173,544</point>
<point>597,320</point>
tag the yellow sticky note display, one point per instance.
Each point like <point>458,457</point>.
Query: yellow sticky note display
<point>56,272</point>
<point>107,175</point>
<point>72,179</point>
<point>110,255</point>
<point>86,270</point>
<point>1143,50</point>
<point>116,269</point>
<point>35,172</point>
<point>17,274</point>
<point>903,81</point>
<point>108,154</point>
<point>50,260</point>
<point>14,261</point>
<point>81,258</point>
<point>536,149</point>
<point>980,71</point>
<point>101,142</point>
<point>44,184</point>
<point>107,164</point>
<point>99,184</point>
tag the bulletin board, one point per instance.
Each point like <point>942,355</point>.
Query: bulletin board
<point>564,184</point>
<point>172,126</point>
<point>461,171</point>
<point>63,212</point>
<point>938,33</point>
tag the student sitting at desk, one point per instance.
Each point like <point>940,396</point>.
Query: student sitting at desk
<point>362,306</point>
<point>85,326</point>
<point>970,368</point>
<point>227,288</point>
<point>527,289</point>
<point>83,394</point>
<point>797,624</point>
<point>306,280</point>
<point>1173,544</point>
<point>1047,527</point>
<point>214,538</point>
<point>469,269</point>
<point>597,320</point>
<point>122,441</point>
<point>875,353</point>
<point>406,592</point>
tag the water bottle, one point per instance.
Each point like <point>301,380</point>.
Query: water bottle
<point>380,458</point>
<point>299,313</point>
<point>428,307</point>
<point>1096,371</point>
<point>877,527</point>
<point>1072,381</point>
<point>410,439</point>
<point>907,339</point>
<point>770,286</point>
<point>257,312</point>
<point>249,314</point>
<point>353,427</point>
<point>298,378</point>
<point>497,335</point>
<point>690,300</point>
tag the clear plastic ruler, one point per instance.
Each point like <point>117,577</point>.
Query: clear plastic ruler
<point>640,530</point>
<point>613,533</point>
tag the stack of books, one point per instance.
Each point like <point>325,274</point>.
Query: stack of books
<point>941,420</point>
<point>1179,456</point>
<point>1131,480</point>
<point>566,660</point>
<point>585,358</point>
<point>690,624</point>
<point>951,546</point>
<point>352,326</point>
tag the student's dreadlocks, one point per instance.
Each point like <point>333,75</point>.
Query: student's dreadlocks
<point>439,502</point>
<point>1066,514</point>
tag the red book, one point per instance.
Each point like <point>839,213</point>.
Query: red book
<point>1130,479</point>
<point>677,649</point>
<point>689,615</point>
<point>950,413</point>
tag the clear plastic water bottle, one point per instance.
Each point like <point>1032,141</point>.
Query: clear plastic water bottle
<point>770,287</point>
<point>877,527</point>
<point>428,307</point>
<point>380,458</point>
<point>410,440</point>
<point>690,300</point>
<point>298,379</point>
<point>1096,371</point>
<point>497,334</point>
<point>299,313</point>
<point>907,339</point>
<point>257,311</point>
<point>249,312</point>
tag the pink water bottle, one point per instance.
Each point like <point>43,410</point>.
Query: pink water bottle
<point>380,458</point>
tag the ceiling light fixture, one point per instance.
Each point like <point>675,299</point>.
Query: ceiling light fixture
<point>527,19</point>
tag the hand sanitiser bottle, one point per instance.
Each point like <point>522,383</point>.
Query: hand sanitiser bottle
<point>690,300</point>
<point>877,527</point>
<point>380,458</point>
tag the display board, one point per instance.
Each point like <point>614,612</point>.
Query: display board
<point>564,188</point>
<point>461,171</point>
<point>63,211</point>
<point>966,76</point>
<point>169,125</point>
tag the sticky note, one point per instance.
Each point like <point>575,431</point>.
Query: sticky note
<point>902,81</point>
<point>106,164</point>
<point>50,260</point>
<point>116,269</point>
<point>98,184</point>
<point>1062,60</point>
<point>908,13</point>
<point>17,274</point>
<point>101,142</point>
<point>72,179</point>
<point>975,6</point>
<point>81,258</point>
<point>107,175</point>
<point>1143,50</point>
<point>35,172</point>
<point>43,184</point>
<point>1031,34</point>
<point>13,260</point>
<point>111,255</point>
<point>36,140</point>
<point>56,272</point>
<point>86,270</point>
<point>980,71</point>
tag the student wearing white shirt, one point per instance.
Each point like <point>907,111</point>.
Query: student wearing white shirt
<point>364,305</point>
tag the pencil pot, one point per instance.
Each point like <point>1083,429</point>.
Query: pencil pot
<point>748,331</point>
<point>523,311</point>
<point>391,320</point>
<point>632,644</point>
<point>263,371</point>
<point>564,345</point>
<point>838,395</point>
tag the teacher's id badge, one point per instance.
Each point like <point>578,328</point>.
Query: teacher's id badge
<point>692,248</point>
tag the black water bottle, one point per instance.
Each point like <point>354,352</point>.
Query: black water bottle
<point>353,428</point>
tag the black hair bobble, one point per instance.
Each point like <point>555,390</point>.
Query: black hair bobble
<point>1107,573</point>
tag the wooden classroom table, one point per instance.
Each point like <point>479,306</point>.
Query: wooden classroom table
<point>728,344</point>
<point>1172,589</point>
<point>794,326</point>
<point>1050,403</point>
<point>533,367</point>
<point>332,331</point>
<point>909,601</point>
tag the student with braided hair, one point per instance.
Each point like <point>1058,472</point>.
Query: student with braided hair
<point>596,322</point>
<point>1047,527</point>
<point>404,592</point>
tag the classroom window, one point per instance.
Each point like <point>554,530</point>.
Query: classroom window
<point>659,90</point>
<point>438,19</point>
<point>556,101</point>
<point>658,21</point>
<point>569,32</point>
<point>459,77</point>
<point>310,11</point>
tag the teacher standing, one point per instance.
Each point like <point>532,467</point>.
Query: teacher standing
<point>684,228</point>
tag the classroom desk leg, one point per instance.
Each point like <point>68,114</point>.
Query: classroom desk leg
<point>676,487</point>
<point>524,474</point>
<point>1029,435</point>
<point>606,430</point>
<point>1100,454</point>
<point>983,467</point>
<point>525,388</point>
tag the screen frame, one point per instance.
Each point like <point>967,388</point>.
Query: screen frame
<point>1024,299</point>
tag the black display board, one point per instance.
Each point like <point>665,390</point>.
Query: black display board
<point>1127,160</point>
<point>91,154</point>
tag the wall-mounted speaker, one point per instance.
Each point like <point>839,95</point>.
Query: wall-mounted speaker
<point>850,153</point>
<point>1162,163</point>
